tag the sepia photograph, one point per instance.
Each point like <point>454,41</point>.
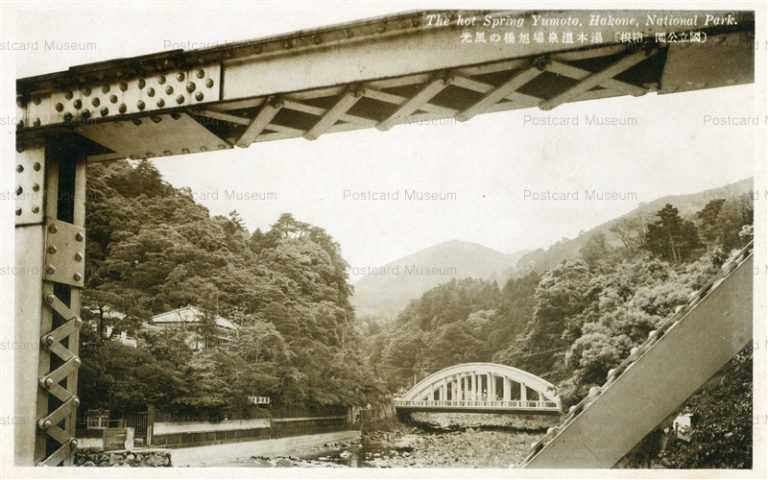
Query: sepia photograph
<point>355,236</point>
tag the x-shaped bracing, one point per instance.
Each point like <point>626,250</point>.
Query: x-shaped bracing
<point>50,381</point>
<point>420,106</point>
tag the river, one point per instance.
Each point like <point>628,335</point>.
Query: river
<point>414,448</point>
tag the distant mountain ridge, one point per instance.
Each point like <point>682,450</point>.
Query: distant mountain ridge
<point>386,290</point>
<point>542,260</point>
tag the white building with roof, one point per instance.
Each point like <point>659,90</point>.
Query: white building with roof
<point>192,319</point>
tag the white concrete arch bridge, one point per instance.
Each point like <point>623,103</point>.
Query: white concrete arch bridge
<point>381,72</point>
<point>481,388</point>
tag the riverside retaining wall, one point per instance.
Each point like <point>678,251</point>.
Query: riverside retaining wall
<point>193,434</point>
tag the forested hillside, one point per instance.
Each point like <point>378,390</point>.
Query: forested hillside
<point>151,249</point>
<point>575,321</point>
<point>627,229</point>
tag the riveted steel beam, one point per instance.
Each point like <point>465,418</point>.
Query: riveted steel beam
<point>325,62</point>
<point>121,99</point>
<point>675,361</point>
<point>322,65</point>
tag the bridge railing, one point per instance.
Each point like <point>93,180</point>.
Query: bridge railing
<point>481,404</point>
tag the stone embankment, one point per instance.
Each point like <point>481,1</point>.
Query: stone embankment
<point>454,421</point>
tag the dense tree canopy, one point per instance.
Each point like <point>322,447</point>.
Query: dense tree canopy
<point>152,248</point>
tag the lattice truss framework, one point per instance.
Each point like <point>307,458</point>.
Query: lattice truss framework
<point>50,213</point>
<point>544,82</point>
<point>147,125</point>
<point>58,381</point>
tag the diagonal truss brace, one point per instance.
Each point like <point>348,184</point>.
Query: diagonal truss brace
<point>427,93</point>
<point>334,114</point>
<point>600,78</point>
<point>499,93</point>
<point>270,109</point>
<point>577,73</point>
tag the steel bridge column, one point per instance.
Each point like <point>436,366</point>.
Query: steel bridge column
<point>50,259</point>
<point>523,393</point>
<point>507,389</point>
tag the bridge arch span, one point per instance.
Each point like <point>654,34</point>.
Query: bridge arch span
<point>481,382</point>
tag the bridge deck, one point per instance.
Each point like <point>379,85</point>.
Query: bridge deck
<point>479,406</point>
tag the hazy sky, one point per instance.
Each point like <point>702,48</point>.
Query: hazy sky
<point>485,165</point>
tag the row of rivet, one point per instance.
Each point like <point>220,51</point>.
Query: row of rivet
<point>167,153</point>
<point>122,108</point>
<point>158,119</point>
<point>35,187</point>
<point>50,269</point>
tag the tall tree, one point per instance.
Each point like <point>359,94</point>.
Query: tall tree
<point>671,237</point>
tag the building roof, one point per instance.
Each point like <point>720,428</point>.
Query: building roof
<point>107,312</point>
<point>191,315</point>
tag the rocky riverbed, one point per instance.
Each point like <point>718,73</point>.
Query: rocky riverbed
<point>470,448</point>
<point>413,448</point>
